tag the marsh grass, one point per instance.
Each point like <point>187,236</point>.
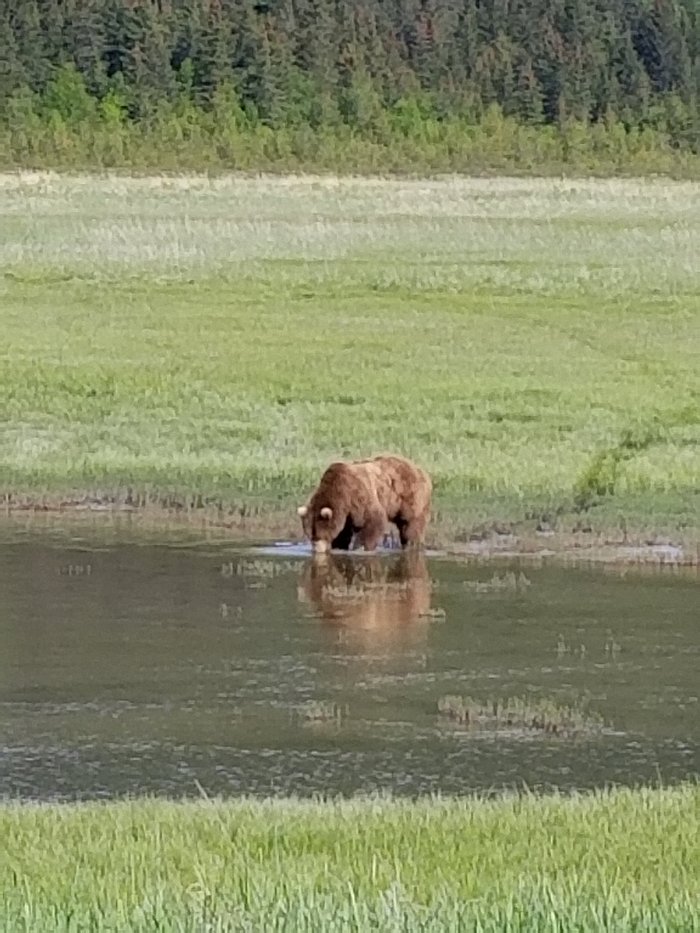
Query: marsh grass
<point>358,592</point>
<point>529,713</point>
<point>508,582</point>
<point>434,612</point>
<point>267,569</point>
<point>318,711</point>
<point>196,343</point>
<point>617,861</point>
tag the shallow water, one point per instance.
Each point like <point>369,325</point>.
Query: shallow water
<point>184,666</point>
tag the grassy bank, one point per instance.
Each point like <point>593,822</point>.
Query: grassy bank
<point>196,341</point>
<point>622,861</point>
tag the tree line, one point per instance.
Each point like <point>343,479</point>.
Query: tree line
<point>440,81</point>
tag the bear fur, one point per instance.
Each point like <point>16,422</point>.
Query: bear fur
<point>357,499</point>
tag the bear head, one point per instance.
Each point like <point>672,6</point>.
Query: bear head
<point>322,525</point>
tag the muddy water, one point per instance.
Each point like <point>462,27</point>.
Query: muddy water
<point>131,667</point>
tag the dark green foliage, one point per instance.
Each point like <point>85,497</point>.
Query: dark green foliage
<point>363,67</point>
<point>600,476</point>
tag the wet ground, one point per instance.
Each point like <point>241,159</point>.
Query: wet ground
<point>131,666</point>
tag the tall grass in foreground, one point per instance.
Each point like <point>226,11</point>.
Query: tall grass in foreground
<point>533,343</point>
<point>618,861</point>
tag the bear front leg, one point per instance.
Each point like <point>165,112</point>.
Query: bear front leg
<point>344,539</point>
<point>372,532</point>
<point>412,532</point>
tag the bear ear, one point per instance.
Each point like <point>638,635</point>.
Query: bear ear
<point>302,511</point>
<point>326,512</point>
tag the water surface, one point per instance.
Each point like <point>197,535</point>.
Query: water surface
<point>133,666</point>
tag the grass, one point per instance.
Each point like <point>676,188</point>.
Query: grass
<point>317,711</point>
<point>499,583</point>
<point>621,860</point>
<point>215,342</point>
<point>544,715</point>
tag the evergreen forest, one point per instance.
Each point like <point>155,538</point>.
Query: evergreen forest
<point>355,84</point>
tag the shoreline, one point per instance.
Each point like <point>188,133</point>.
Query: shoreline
<point>265,526</point>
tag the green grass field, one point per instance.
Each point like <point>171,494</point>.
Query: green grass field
<point>533,343</point>
<point>619,861</point>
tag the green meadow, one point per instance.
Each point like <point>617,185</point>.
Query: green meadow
<point>618,861</point>
<point>215,341</point>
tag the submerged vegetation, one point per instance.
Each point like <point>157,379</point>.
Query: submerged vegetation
<point>194,342</point>
<point>618,861</point>
<point>499,583</point>
<point>322,711</point>
<point>532,714</point>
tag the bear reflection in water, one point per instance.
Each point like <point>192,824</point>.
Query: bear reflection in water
<point>370,601</point>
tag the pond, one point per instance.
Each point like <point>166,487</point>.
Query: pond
<point>185,666</point>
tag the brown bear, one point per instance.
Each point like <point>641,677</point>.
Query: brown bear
<point>357,499</point>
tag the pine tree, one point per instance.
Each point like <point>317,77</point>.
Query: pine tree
<point>12,71</point>
<point>660,41</point>
<point>211,52</point>
<point>30,43</point>
<point>527,97</point>
<point>147,60</point>
<point>84,41</point>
